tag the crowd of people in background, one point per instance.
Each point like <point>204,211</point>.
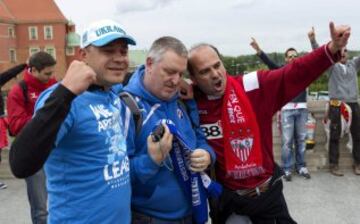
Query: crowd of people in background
<point>158,149</point>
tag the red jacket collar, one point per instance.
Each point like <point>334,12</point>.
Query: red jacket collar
<point>34,82</point>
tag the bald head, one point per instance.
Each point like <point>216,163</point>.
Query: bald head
<point>207,70</point>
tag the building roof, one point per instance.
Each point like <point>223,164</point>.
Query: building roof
<point>72,39</point>
<point>5,13</point>
<point>31,11</point>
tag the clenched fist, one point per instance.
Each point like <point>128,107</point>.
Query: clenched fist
<point>79,77</point>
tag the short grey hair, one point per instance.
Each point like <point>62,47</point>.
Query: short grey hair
<point>164,44</point>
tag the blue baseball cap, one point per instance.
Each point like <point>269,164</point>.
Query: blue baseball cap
<point>102,32</point>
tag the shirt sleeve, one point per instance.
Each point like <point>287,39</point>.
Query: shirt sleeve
<point>315,45</point>
<point>142,167</point>
<point>281,85</point>
<point>34,143</point>
<point>267,61</point>
<point>11,73</point>
<point>357,63</point>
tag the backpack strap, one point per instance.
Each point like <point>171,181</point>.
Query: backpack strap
<point>24,89</point>
<point>130,101</point>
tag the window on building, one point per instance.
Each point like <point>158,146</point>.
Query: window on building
<point>33,50</point>
<point>51,51</point>
<point>70,51</point>
<point>48,32</point>
<point>33,33</point>
<point>11,32</point>
<point>12,55</point>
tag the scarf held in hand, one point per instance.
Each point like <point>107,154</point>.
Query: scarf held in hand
<point>197,186</point>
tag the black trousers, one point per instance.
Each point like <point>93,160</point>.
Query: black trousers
<point>268,208</point>
<point>335,132</point>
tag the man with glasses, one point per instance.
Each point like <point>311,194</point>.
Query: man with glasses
<point>343,88</point>
<point>20,107</point>
<point>293,121</point>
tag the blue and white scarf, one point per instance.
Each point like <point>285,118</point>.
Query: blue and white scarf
<point>197,186</point>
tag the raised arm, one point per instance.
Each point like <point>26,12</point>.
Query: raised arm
<point>34,143</point>
<point>286,83</point>
<point>356,61</point>
<point>254,44</point>
<point>312,38</point>
<point>11,73</point>
<point>263,57</point>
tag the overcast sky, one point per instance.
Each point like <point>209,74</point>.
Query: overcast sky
<point>228,24</point>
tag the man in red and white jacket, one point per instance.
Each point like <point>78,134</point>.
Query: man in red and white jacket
<point>20,106</point>
<point>236,116</point>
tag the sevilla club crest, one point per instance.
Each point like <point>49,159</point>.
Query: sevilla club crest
<point>242,148</point>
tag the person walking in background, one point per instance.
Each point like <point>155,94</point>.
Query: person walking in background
<point>20,107</point>
<point>343,88</point>
<point>4,78</point>
<point>293,121</point>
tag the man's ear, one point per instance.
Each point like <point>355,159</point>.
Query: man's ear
<point>82,54</point>
<point>149,62</point>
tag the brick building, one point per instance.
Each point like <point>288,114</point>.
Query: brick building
<point>27,27</point>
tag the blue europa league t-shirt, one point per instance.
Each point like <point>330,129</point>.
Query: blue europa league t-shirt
<point>87,172</point>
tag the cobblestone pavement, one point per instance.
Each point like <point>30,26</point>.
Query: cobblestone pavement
<point>322,199</point>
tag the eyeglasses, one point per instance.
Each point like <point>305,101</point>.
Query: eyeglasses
<point>292,56</point>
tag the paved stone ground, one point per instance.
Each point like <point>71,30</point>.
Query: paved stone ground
<point>322,199</point>
<point>14,207</point>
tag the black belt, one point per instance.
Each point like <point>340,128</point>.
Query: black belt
<point>258,190</point>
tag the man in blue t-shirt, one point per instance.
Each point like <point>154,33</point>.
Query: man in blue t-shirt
<point>79,131</point>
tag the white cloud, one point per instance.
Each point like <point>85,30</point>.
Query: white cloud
<point>127,6</point>
<point>242,3</point>
<point>228,24</point>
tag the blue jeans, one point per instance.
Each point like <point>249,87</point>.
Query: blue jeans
<point>37,195</point>
<point>293,129</point>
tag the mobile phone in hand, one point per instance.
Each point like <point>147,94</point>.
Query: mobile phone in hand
<point>158,133</point>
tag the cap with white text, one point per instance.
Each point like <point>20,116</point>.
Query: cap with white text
<point>102,32</point>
